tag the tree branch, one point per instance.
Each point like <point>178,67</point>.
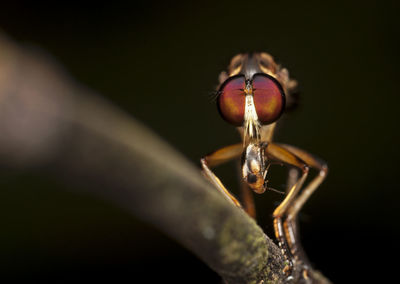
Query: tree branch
<point>49,123</point>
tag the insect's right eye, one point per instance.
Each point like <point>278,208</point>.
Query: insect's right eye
<point>231,100</point>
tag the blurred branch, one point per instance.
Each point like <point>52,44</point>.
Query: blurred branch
<point>51,124</point>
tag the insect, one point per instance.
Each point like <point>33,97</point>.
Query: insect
<point>252,95</point>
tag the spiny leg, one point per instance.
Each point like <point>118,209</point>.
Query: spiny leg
<point>285,214</point>
<point>292,212</point>
<point>216,158</point>
<point>279,154</point>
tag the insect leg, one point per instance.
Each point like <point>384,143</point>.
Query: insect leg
<point>216,158</point>
<point>293,210</point>
<point>279,154</point>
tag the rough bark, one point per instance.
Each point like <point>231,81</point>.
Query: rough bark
<point>49,123</point>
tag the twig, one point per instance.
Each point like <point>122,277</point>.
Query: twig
<point>49,123</point>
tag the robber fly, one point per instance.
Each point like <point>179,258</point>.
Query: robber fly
<point>252,95</point>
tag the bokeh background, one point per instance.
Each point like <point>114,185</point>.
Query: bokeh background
<point>159,61</point>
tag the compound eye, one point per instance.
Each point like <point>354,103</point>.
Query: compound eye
<point>231,100</point>
<point>269,98</point>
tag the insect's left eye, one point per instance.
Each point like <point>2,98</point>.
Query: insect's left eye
<point>231,100</point>
<point>269,98</point>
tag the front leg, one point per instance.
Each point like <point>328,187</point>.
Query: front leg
<point>216,158</point>
<point>299,202</point>
<point>313,162</point>
<point>285,214</point>
<point>279,154</point>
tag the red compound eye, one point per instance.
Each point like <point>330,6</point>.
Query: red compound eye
<point>231,100</point>
<point>269,98</point>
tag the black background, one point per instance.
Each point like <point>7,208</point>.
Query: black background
<point>159,61</point>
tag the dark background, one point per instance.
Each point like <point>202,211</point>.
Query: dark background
<point>159,61</point>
